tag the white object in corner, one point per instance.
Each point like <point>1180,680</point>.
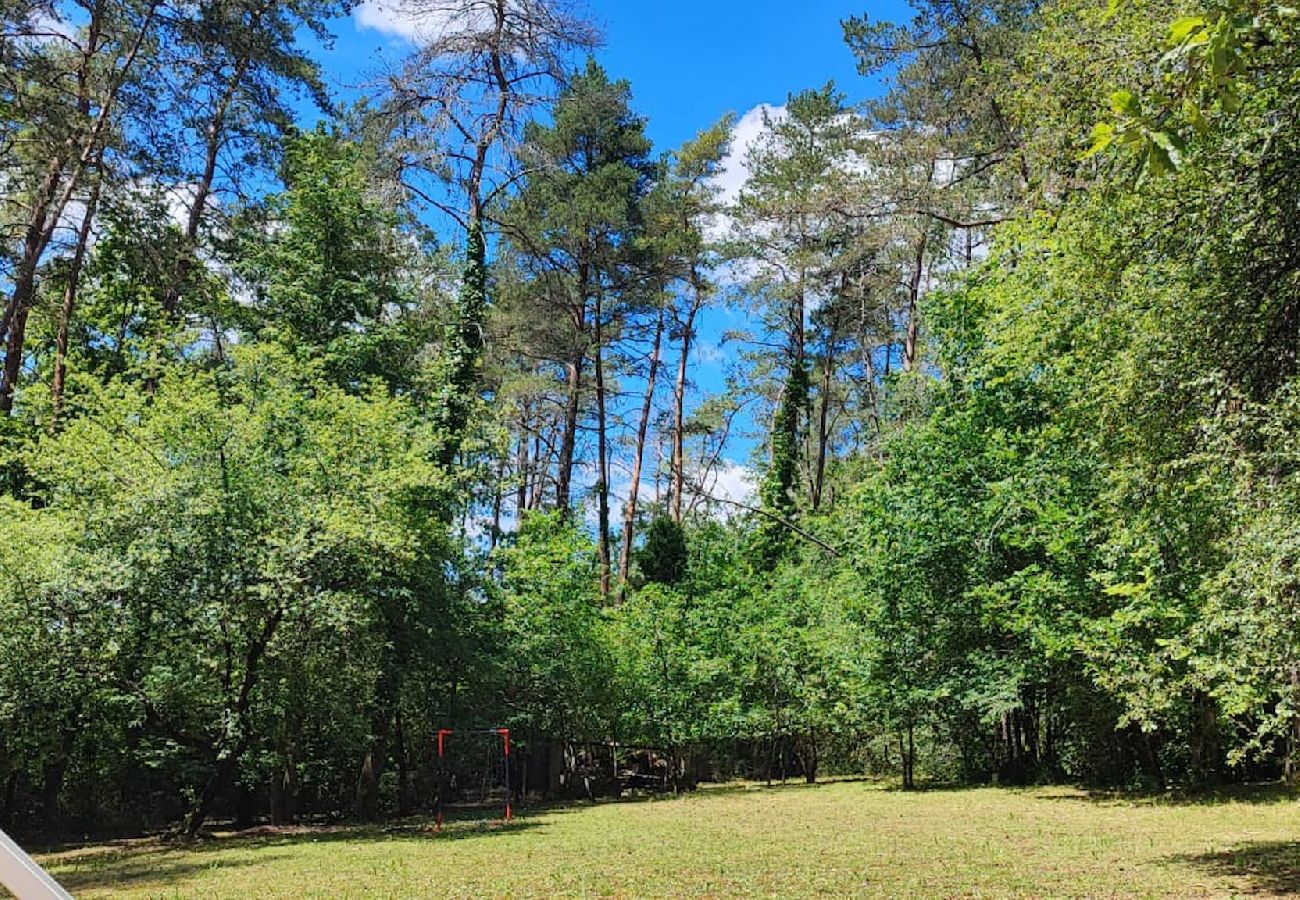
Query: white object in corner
<point>20,873</point>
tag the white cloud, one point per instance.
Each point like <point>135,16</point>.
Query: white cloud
<point>716,491</point>
<point>731,482</point>
<point>177,200</point>
<point>732,178</point>
<point>421,22</point>
<point>42,26</point>
<point>735,171</point>
<point>388,17</point>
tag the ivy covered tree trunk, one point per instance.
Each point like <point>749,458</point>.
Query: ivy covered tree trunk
<point>777,490</point>
<point>465,345</point>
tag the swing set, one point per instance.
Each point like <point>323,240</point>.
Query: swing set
<point>493,778</point>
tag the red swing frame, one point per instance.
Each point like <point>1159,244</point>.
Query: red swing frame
<point>504,734</point>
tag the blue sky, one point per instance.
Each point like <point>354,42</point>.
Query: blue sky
<point>689,62</point>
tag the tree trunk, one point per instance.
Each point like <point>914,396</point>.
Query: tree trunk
<point>823,423</point>
<point>569,439</point>
<point>911,755</point>
<point>541,469</point>
<point>216,782</point>
<point>466,345</point>
<point>227,759</point>
<point>907,756</point>
<point>1204,739</point>
<point>643,427</point>
<point>677,486</point>
<point>367,799</point>
<point>376,755</point>
<point>14,343</point>
<point>602,449</point>
<point>52,792</point>
<point>46,210</point>
<point>51,200</point>
<point>913,304</point>
<point>9,802</point>
<point>70,301</point>
<point>213,134</point>
<point>404,803</point>
<point>498,498</point>
<point>284,790</point>
<point>522,465</point>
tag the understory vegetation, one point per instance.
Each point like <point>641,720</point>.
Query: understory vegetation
<point>317,439</point>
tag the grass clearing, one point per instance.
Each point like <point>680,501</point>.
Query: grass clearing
<point>838,839</point>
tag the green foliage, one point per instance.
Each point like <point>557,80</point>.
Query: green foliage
<point>210,548</point>
<point>1210,67</point>
<point>780,482</point>
<point>663,557</point>
<point>465,344</point>
<point>557,668</point>
<point>1028,505</point>
<point>331,275</point>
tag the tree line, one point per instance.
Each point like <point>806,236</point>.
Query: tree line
<point>319,439</point>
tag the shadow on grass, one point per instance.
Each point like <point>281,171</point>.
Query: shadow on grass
<point>1269,867</point>
<point>140,871</point>
<point>1267,794</point>
<point>165,864</point>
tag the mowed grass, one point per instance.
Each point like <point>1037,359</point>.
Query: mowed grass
<point>839,839</point>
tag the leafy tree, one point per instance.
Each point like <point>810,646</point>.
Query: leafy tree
<point>233,509</point>
<point>330,268</point>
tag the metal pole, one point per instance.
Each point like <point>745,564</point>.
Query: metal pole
<point>443,734</point>
<point>505,739</point>
<point>23,877</point>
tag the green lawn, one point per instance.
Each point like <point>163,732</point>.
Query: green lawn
<point>842,839</point>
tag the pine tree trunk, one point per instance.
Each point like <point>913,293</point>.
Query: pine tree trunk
<point>913,306</point>
<point>51,199</point>
<point>14,344</point>
<point>466,346</point>
<point>541,470</point>
<point>602,450</point>
<point>45,212</point>
<point>569,438</point>
<point>643,428</point>
<point>678,484</point>
<point>823,425</point>
<point>70,302</point>
<point>498,498</point>
<point>214,134</point>
<point>522,465</point>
